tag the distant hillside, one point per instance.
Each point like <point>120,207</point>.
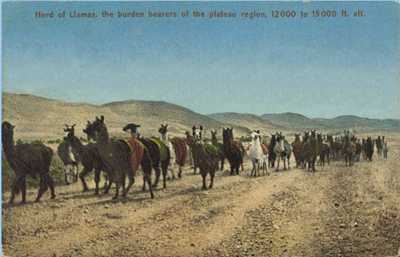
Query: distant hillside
<point>250,121</point>
<point>360,123</point>
<point>293,120</point>
<point>298,121</point>
<point>41,118</point>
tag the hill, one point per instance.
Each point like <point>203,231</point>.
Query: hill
<point>250,121</point>
<point>292,120</point>
<point>42,118</point>
<point>299,122</point>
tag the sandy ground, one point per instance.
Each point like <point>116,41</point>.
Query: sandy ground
<point>338,211</point>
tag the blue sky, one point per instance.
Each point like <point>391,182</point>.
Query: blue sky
<point>320,67</point>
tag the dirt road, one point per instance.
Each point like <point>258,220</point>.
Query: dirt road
<point>337,211</point>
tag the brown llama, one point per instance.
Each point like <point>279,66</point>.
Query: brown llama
<point>206,155</point>
<point>116,156</point>
<point>27,159</point>
<point>233,150</point>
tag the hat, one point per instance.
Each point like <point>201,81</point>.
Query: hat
<point>132,127</point>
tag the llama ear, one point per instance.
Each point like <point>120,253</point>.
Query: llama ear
<point>102,118</point>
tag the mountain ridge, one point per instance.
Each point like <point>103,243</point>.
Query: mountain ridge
<point>40,117</point>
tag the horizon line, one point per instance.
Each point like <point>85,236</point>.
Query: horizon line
<point>206,114</point>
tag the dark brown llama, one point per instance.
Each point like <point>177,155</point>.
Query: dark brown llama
<point>88,156</point>
<point>219,146</point>
<point>206,155</point>
<point>116,157</point>
<point>233,150</point>
<point>27,159</point>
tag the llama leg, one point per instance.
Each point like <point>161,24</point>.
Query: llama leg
<point>164,171</point>
<point>144,183</point>
<point>116,191</point>
<point>96,181</point>
<point>222,163</point>
<point>42,187</point>
<point>23,189</point>
<point>76,172</point>
<point>284,163</point>
<point>66,172</point>
<point>147,177</point>
<point>180,171</point>
<point>172,172</point>
<point>14,189</point>
<point>123,186</point>
<point>118,182</point>
<point>158,173</point>
<point>107,186</point>
<point>314,161</point>
<point>107,180</point>
<point>257,171</point>
<point>131,181</point>
<point>204,175</point>
<point>212,174</point>
<point>277,165</point>
<point>82,176</point>
<point>50,182</point>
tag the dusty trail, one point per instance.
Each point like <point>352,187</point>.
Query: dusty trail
<point>337,211</point>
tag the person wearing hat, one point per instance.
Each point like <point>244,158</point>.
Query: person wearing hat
<point>133,129</point>
<point>137,148</point>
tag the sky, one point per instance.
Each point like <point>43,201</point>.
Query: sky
<point>319,67</point>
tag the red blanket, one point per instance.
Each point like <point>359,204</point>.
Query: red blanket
<point>180,150</point>
<point>137,153</point>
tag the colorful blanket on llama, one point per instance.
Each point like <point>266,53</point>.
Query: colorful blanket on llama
<point>164,151</point>
<point>180,150</point>
<point>137,149</point>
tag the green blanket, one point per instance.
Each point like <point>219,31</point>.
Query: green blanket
<point>211,149</point>
<point>164,151</point>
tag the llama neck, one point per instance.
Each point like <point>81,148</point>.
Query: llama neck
<point>164,137</point>
<point>197,150</point>
<point>9,149</point>
<point>103,137</point>
<point>77,145</point>
<point>214,140</point>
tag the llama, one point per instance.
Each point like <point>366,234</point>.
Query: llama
<point>27,159</point>
<point>283,151</point>
<point>206,156</point>
<point>233,150</point>
<point>116,156</point>
<point>177,148</point>
<point>256,154</point>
